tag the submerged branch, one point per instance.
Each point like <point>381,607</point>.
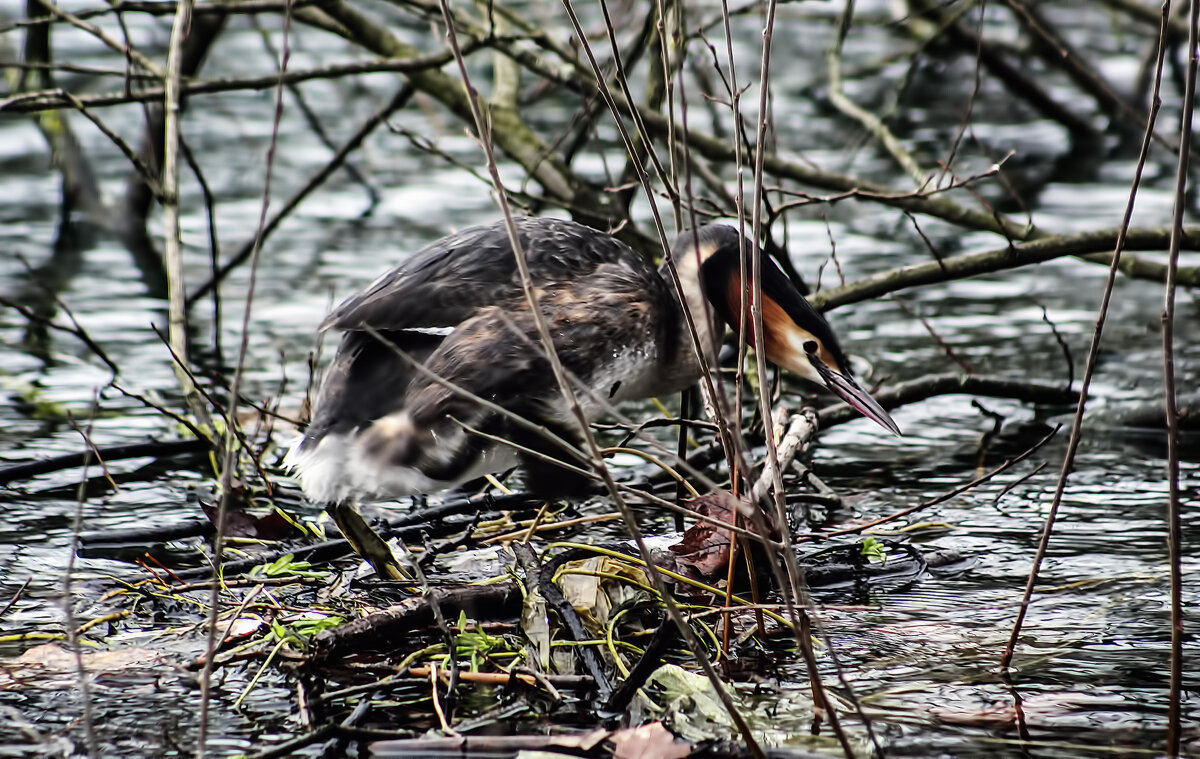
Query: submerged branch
<point>10,474</point>
<point>380,631</point>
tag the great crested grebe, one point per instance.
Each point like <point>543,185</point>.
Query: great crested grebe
<point>382,429</point>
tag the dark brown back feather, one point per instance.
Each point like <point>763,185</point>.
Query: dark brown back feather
<point>447,281</point>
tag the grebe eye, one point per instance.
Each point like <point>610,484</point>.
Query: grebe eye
<point>811,347</point>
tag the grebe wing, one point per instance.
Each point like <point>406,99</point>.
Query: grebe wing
<point>382,428</point>
<point>605,331</point>
<point>450,279</point>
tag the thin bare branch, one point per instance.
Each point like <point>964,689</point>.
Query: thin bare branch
<point>81,673</point>
<point>31,102</point>
<point>1174,515</point>
<point>1093,354</point>
<point>164,8</point>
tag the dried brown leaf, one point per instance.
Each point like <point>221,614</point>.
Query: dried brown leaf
<point>650,741</point>
<point>704,549</point>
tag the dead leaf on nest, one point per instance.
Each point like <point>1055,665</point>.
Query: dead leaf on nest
<point>589,586</point>
<point>651,741</point>
<point>704,549</point>
<point>240,524</point>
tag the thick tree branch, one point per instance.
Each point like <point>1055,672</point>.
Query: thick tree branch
<point>1026,391</point>
<point>721,150</point>
<point>1093,246</point>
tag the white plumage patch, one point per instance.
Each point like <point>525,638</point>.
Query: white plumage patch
<point>320,467</point>
<point>337,468</point>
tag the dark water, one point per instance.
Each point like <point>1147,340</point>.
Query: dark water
<point>1091,672</point>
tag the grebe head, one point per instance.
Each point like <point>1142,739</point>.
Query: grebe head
<point>795,334</point>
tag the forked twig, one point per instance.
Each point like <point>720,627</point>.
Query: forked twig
<point>870,122</point>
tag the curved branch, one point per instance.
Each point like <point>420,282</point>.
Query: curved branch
<point>869,121</point>
<point>1026,391</point>
<point>1092,246</point>
<point>140,191</point>
<point>246,250</point>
